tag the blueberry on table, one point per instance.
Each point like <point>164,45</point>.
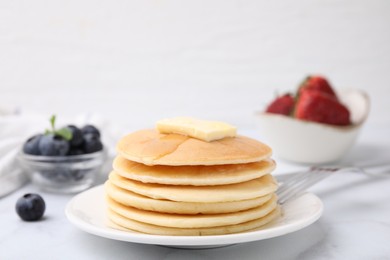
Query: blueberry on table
<point>53,145</point>
<point>92,143</point>
<point>77,136</point>
<point>90,129</point>
<point>31,146</point>
<point>30,207</point>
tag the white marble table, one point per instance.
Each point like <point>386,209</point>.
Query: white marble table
<point>355,223</point>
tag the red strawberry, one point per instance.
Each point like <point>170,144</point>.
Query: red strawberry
<point>318,83</point>
<point>282,105</point>
<point>320,107</point>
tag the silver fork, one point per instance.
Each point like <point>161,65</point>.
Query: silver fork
<point>292,185</point>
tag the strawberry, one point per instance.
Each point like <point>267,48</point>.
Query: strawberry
<point>317,83</point>
<point>283,105</point>
<point>320,107</point>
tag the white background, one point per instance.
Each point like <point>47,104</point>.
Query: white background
<point>138,61</point>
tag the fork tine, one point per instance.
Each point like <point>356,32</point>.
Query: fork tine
<point>289,187</point>
<point>287,183</point>
<point>296,183</point>
<point>299,183</point>
<point>298,189</point>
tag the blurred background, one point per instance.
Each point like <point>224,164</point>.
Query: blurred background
<point>135,62</point>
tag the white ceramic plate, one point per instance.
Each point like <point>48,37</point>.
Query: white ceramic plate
<point>87,212</point>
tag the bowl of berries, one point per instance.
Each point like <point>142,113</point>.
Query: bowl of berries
<point>316,124</point>
<point>65,160</point>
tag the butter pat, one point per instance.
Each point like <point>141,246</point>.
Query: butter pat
<point>201,129</point>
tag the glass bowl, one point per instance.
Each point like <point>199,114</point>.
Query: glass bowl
<point>63,174</point>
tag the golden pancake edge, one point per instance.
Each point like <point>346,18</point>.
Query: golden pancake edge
<point>198,175</point>
<point>204,194</point>
<point>192,221</point>
<point>135,200</point>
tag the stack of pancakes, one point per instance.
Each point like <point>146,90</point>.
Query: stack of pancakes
<point>171,184</point>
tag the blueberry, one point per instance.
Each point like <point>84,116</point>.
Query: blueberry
<point>92,143</point>
<point>75,151</point>
<point>90,129</point>
<point>47,174</point>
<point>53,145</point>
<point>30,207</point>
<point>77,136</point>
<point>79,174</point>
<point>62,175</point>
<point>58,175</point>
<point>31,146</point>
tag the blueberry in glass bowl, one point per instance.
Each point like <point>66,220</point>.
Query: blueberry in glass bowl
<point>67,160</point>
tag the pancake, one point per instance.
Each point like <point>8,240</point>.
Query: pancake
<point>122,223</point>
<point>192,221</point>
<point>192,175</point>
<point>135,200</point>
<point>153,148</point>
<point>205,194</point>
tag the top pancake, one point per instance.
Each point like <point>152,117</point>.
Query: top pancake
<point>153,148</point>
<point>197,175</point>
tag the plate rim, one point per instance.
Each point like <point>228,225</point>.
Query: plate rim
<point>212,240</point>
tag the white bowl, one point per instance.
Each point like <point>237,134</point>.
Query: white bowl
<point>315,143</point>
